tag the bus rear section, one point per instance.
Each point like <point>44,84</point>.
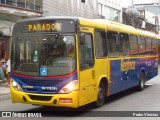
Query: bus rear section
<point>44,62</point>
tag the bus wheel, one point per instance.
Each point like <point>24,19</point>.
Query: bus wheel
<point>141,82</point>
<point>101,95</point>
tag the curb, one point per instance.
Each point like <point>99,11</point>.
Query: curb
<point>2,94</point>
<point>4,97</point>
<point>4,90</point>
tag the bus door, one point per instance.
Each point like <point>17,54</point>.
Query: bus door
<point>87,92</point>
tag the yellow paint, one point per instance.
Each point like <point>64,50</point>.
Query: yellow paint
<point>17,97</point>
<point>87,79</point>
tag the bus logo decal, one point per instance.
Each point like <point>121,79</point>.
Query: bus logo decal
<point>128,65</point>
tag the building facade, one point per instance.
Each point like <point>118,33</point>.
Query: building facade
<point>80,8</point>
<point>150,10</point>
<point>106,9</point>
<point>110,9</point>
<point>145,2</point>
<point>10,12</point>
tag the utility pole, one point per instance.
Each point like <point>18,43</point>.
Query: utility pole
<point>132,2</point>
<point>101,10</point>
<point>157,24</point>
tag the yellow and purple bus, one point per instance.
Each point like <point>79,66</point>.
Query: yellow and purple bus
<point>71,61</point>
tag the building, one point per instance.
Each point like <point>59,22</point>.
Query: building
<point>106,9</point>
<point>110,9</point>
<point>143,14</point>
<point>80,8</point>
<point>145,2</point>
<point>10,12</point>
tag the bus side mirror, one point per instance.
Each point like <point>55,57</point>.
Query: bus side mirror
<point>1,34</point>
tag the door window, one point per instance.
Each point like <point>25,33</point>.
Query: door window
<point>86,51</point>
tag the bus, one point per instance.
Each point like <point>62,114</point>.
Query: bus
<point>71,61</point>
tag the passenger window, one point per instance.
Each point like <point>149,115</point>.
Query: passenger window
<point>148,46</point>
<point>85,51</point>
<point>124,47</point>
<point>101,44</point>
<point>133,42</point>
<point>154,46</point>
<point>113,44</point>
<point>142,45</point>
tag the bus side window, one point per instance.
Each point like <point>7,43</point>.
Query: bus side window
<point>154,46</point>
<point>124,41</point>
<point>133,42</point>
<point>113,44</point>
<point>148,46</point>
<point>85,51</point>
<point>142,45</point>
<point>101,43</point>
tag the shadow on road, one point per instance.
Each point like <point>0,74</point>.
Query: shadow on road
<point>123,94</point>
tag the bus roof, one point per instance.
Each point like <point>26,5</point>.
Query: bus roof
<point>98,23</point>
<point>115,26</point>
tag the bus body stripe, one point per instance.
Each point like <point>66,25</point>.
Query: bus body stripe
<point>49,77</point>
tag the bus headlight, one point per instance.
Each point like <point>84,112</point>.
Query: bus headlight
<point>69,87</point>
<point>15,85</point>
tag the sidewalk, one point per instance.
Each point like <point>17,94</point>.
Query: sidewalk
<point>4,89</point>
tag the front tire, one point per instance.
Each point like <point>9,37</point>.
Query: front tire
<point>101,95</point>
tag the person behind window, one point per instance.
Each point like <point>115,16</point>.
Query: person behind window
<point>71,51</point>
<point>8,69</point>
<point>2,76</point>
<point>88,46</point>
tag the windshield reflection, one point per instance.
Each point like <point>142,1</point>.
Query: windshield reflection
<point>54,54</point>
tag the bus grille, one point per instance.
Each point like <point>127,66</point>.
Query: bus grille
<point>41,82</point>
<point>40,98</point>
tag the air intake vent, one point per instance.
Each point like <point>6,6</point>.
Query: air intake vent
<point>41,82</point>
<point>40,98</point>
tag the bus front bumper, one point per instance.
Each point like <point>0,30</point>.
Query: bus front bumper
<point>59,100</point>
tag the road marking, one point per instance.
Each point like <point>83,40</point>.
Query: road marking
<point>149,84</point>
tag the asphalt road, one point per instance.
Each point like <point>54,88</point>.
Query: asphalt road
<point>131,100</point>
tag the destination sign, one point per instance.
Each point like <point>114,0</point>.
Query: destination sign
<point>45,27</point>
<point>39,26</point>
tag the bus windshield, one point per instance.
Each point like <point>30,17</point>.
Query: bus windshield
<point>55,54</point>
